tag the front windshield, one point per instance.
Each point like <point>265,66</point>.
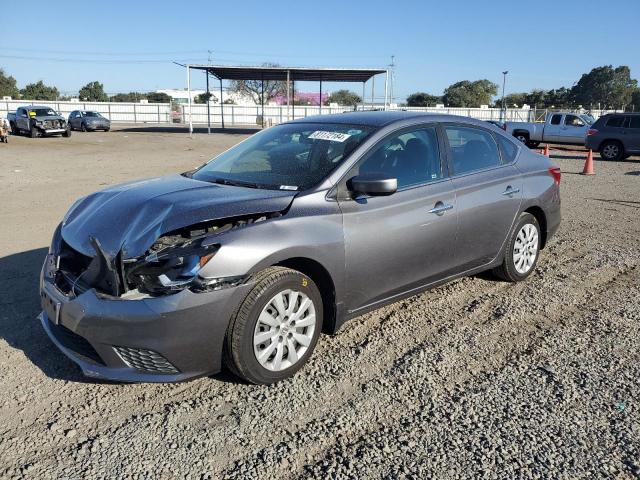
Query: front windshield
<point>588,119</point>
<point>292,156</point>
<point>42,112</point>
<point>91,114</point>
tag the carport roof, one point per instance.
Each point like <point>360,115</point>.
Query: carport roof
<point>225,72</point>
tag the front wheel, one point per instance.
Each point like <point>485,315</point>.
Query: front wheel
<point>523,248</point>
<point>67,132</point>
<point>276,327</point>
<point>33,133</point>
<point>533,144</point>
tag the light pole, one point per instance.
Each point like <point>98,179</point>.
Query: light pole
<point>504,81</point>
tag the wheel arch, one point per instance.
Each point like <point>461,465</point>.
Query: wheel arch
<point>541,217</point>
<point>322,278</point>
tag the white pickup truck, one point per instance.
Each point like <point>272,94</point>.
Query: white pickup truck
<point>559,127</point>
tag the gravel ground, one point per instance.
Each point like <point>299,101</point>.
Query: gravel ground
<point>475,379</point>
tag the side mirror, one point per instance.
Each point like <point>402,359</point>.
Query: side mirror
<point>373,184</point>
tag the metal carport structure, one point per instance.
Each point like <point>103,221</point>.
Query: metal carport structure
<point>285,74</point>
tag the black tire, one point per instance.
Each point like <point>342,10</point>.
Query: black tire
<point>522,136</point>
<point>239,356</point>
<point>14,129</point>
<point>533,144</point>
<point>67,132</point>
<point>507,271</point>
<point>83,127</point>
<point>612,150</point>
<point>33,133</point>
<point>107,129</point>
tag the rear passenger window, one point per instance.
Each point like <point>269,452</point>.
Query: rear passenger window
<point>471,149</point>
<point>508,149</point>
<point>634,122</point>
<point>615,122</point>
<point>556,119</point>
<point>412,157</point>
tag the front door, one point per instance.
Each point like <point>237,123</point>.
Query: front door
<point>399,242</point>
<point>574,130</point>
<point>488,195</point>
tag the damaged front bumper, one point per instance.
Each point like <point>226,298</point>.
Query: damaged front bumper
<point>156,339</point>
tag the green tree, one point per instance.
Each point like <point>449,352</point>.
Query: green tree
<point>93,92</point>
<point>8,86</point>
<point>254,88</point>
<point>635,100</point>
<point>558,98</point>
<point>39,91</point>
<point>422,99</point>
<point>344,97</point>
<point>205,97</point>
<point>158,97</point>
<point>128,97</point>
<point>611,87</point>
<point>512,100</point>
<point>470,94</point>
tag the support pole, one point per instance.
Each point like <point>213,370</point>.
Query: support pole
<point>208,105</point>
<point>288,96</point>
<point>373,88</point>
<point>221,105</point>
<point>320,102</point>
<point>386,88</point>
<point>262,101</point>
<point>293,99</point>
<point>189,95</point>
<point>364,84</point>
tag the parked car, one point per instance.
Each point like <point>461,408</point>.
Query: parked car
<point>38,121</point>
<point>87,120</point>
<point>246,259</point>
<point>615,136</point>
<point>560,127</point>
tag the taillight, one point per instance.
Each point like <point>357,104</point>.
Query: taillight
<point>556,174</point>
<point>591,131</point>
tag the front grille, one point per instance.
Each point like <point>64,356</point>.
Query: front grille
<point>74,342</point>
<point>53,124</point>
<point>146,361</point>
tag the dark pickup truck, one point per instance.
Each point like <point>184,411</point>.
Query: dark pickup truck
<point>38,121</point>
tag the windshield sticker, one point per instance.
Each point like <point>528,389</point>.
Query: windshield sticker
<point>331,136</point>
<point>288,187</point>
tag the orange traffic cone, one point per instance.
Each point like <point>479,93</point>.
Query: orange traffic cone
<point>546,150</point>
<point>588,165</point>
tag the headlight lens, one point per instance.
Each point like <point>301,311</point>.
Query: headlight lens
<point>172,269</point>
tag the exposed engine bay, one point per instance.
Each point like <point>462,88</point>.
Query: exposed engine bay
<point>173,263</point>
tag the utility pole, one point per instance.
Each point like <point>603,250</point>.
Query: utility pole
<point>391,78</point>
<point>504,81</point>
<point>210,54</point>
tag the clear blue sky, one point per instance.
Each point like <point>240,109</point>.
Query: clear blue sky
<point>130,45</point>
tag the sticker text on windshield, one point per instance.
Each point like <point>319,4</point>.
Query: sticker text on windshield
<point>331,136</point>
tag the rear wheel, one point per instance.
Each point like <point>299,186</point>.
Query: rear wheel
<point>14,129</point>
<point>276,327</point>
<point>533,144</point>
<point>523,248</point>
<point>611,150</point>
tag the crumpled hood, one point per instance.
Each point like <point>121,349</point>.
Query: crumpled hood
<point>49,117</point>
<point>134,215</point>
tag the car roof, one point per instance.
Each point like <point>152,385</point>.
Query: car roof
<point>384,118</point>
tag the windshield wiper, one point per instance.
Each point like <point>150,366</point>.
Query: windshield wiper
<point>236,183</point>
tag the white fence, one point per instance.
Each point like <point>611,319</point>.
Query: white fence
<point>243,115</point>
<point>115,111</point>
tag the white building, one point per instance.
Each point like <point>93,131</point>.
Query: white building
<point>181,96</point>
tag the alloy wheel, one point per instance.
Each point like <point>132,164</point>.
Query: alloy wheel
<point>610,151</point>
<point>525,248</point>
<point>284,330</point>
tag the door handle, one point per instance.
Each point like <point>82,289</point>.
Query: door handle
<point>440,208</point>
<point>510,191</point>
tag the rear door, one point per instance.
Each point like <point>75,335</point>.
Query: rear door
<point>552,128</point>
<point>488,193</point>
<point>401,241</point>
<point>632,143</point>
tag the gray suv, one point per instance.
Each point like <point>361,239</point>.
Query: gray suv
<point>615,136</point>
<point>244,261</point>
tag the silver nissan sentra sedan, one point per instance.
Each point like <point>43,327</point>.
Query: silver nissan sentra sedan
<point>244,261</point>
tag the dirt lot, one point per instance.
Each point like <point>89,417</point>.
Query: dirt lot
<point>477,378</point>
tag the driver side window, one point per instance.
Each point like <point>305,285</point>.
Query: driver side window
<point>412,157</point>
